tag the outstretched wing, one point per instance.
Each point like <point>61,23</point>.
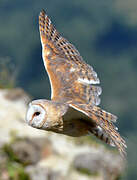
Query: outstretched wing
<point>103,123</point>
<point>70,77</point>
<point>73,81</point>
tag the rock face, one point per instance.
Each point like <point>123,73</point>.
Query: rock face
<point>36,154</point>
<point>108,164</point>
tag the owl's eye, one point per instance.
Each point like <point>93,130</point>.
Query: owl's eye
<point>37,113</point>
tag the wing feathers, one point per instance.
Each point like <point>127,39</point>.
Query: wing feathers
<point>74,66</point>
<point>108,116</point>
<point>105,123</point>
<point>67,49</point>
<point>99,133</point>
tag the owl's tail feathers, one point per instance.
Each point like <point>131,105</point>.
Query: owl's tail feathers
<point>106,127</point>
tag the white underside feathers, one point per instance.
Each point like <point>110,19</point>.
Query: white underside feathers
<point>86,81</point>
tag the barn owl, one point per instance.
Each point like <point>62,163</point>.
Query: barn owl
<point>73,109</point>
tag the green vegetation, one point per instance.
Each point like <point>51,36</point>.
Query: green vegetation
<point>16,172</point>
<point>87,172</point>
<point>103,31</point>
<point>12,166</point>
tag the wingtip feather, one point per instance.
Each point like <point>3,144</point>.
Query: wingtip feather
<point>42,12</point>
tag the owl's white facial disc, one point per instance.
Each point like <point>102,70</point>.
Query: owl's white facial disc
<point>35,116</point>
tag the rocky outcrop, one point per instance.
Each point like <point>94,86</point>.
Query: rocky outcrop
<point>36,154</point>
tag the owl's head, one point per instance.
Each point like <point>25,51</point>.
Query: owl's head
<point>36,114</point>
<point>44,114</point>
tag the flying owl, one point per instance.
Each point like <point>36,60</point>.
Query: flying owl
<point>73,109</point>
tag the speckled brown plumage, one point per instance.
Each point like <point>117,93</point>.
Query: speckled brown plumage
<point>74,92</point>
